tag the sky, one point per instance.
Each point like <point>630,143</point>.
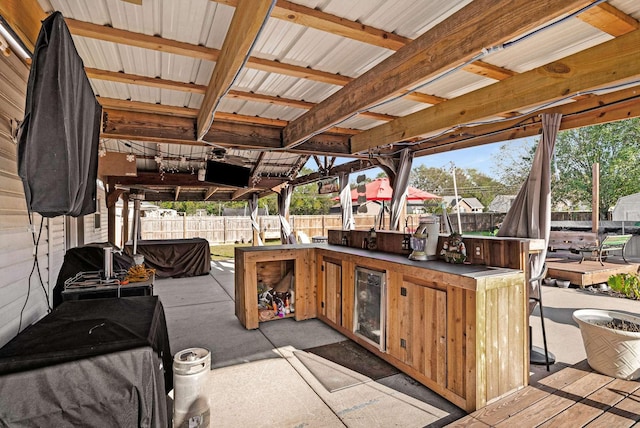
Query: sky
<point>481,158</point>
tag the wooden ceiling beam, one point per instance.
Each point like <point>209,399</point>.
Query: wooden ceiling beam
<point>130,38</point>
<point>152,82</point>
<point>349,167</point>
<point>164,196</point>
<point>480,24</point>
<point>314,18</point>
<point>491,71</point>
<point>139,40</point>
<point>254,170</point>
<point>142,107</point>
<point>210,192</point>
<point>288,102</point>
<point>172,180</point>
<point>305,16</point>
<point>609,62</point>
<point>24,17</point>
<point>130,125</point>
<point>248,18</point>
<point>155,82</point>
<point>242,192</point>
<point>604,108</point>
<point>609,19</point>
<point>140,126</point>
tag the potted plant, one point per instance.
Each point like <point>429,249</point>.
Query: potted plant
<point>612,342</point>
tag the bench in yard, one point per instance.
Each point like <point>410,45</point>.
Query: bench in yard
<point>571,240</point>
<point>608,244</point>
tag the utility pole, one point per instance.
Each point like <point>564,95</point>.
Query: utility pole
<point>455,192</point>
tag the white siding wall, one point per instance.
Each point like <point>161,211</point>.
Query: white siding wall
<point>22,295</point>
<point>91,233</point>
<point>22,298</point>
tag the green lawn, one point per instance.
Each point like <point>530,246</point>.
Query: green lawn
<point>226,251</point>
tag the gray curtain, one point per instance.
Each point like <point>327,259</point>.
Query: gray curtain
<point>348,223</point>
<point>284,201</point>
<point>253,207</point>
<point>530,213</point>
<point>397,169</point>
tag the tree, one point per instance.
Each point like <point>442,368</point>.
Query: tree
<point>305,199</point>
<point>513,164</point>
<point>615,146</point>
<point>471,183</point>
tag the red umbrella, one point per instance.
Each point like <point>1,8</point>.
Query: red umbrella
<point>380,190</point>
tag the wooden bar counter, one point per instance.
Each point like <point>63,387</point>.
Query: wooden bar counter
<point>461,330</point>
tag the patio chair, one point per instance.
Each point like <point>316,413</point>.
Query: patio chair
<point>537,355</point>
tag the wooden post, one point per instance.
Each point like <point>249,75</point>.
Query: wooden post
<point>184,226</point>
<point>125,219</point>
<point>595,198</point>
<point>111,224</point>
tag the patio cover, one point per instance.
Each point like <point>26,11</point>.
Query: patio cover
<point>530,213</point>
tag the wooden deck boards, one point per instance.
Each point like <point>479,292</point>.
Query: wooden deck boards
<point>587,273</point>
<point>575,396</point>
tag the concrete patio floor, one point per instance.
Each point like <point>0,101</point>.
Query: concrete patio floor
<point>262,377</point>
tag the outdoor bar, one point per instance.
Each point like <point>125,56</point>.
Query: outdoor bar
<point>137,137</point>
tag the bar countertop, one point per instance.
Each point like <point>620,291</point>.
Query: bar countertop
<point>468,270</point>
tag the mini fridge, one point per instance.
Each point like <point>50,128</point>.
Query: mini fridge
<point>369,308</point>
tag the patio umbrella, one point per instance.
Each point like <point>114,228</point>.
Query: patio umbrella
<point>380,190</point>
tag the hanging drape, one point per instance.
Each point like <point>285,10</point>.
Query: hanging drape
<point>284,201</point>
<point>348,223</point>
<point>400,185</point>
<point>398,170</point>
<point>530,213</point>
<point>253,207</point>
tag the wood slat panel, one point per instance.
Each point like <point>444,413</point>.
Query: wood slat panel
<point>434,343</point>
<point>456,340</point>
<point>333,284</point>
<point>348,294</point>
<point>305,285</point>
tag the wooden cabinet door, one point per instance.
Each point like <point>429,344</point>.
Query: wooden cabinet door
<point>331,306</point>
<point>416,323</point>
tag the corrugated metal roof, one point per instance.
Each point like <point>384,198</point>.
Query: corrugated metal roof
<point>205,22</point>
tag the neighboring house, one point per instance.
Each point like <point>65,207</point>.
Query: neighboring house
<point>467,205</point>
<point>627,208</point>
<point>501,203</point>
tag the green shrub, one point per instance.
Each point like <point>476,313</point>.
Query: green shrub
<point>625,283</point>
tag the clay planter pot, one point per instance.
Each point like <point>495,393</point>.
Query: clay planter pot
<point>610,351</point>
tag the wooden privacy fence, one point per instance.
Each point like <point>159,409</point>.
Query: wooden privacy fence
<point>221,230</point>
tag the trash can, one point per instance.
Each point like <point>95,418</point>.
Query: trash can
<point>190,400</point>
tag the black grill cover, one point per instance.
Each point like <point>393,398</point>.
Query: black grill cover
<point>58,139</point>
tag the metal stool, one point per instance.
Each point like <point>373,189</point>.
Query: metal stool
<point>537,355</point>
